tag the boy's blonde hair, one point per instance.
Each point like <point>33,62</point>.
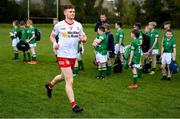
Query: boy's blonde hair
<point>106,26</point>
<point>29,22</point>
<point>153,23</point>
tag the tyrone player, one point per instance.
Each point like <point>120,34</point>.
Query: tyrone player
<point>70,32</point>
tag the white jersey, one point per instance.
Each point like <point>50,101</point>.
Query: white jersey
<point>68,38</point>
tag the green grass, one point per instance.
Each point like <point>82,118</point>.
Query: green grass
<point>22,92</point>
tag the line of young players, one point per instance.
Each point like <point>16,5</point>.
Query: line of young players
<point>23,38</point>
<point>134,50</point>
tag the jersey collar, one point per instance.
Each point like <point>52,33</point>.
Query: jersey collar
<point>68,22</point>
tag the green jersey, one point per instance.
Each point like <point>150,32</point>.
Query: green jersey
<point>169,44</point>
<point>102,46</point>
<point>135,46</point>
<point>140,35</point>
<point>31,32</point>
<point>80,47</point>
<point>14,32</point>
<point>153,35</point>
<point>119,34</point>
<point>24,34</point>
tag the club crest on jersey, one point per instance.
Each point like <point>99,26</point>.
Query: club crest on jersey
<point>64,34</point>
<point>77,28</point>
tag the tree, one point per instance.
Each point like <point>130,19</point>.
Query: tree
<point>79,4</point>
<point>119,6</point>
<point>173,11</point>
<point>129,12</point>
<point>49,8</point>
<point>9,11</point>
<point>153,10</point>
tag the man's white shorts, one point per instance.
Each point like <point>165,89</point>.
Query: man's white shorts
<point>101,58</point>
<point>155,52</point>
<point>32,45</point>
<point>15,42</point>
<point>119,48</point>
<point>166,58</point>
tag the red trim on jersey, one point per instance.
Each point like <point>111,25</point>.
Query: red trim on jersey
<point>66,62</point>
<point>68,22</point>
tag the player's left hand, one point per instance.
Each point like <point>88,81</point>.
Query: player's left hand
<point>150,51</point>
<point>174,59</point>
<point>129,64</point>
<point>83,38</point>
<point>27,40</point>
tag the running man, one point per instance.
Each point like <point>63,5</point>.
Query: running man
<point>70,32</point>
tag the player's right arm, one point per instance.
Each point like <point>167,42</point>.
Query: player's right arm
<point>53,40</point>
<point>53,35</point>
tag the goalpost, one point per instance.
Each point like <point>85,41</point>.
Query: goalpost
<point>48,10</point>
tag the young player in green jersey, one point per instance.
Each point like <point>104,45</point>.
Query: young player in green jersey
<point>168,53</point>
<point>79,63</point>
<point>135,55</point>
<point>119,40</point>
<point>23,39</point>
<point>137,26</point>
<point>167,26</point>
<point>32,41</point>
<point>15,39</point>
<point>100,44</point>
<point>110,47</point>
<point>154,45</point>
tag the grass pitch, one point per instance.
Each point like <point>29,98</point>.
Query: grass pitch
<point>22,92</point>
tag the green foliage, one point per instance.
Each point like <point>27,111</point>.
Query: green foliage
<point>8,11</point>
<point>129,12</point>
<point>119,6</point>
<point>153,10</point>
<point>49,8</point>
<point>174,11</point>
<point>79,9</point>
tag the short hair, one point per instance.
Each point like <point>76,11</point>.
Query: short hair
<point>101,28</point>
<point>167,22</point>
<point>119,23</point>
<point>136,33</point>
<point>16,22</point>
<point>103,14</point>
<point>68,7</point>
<point>29,22</point>
<point>169,30</point>
<point>153,23</point>
<point>106,26</point>
<point>22,23</point>
<point>138,24</point>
